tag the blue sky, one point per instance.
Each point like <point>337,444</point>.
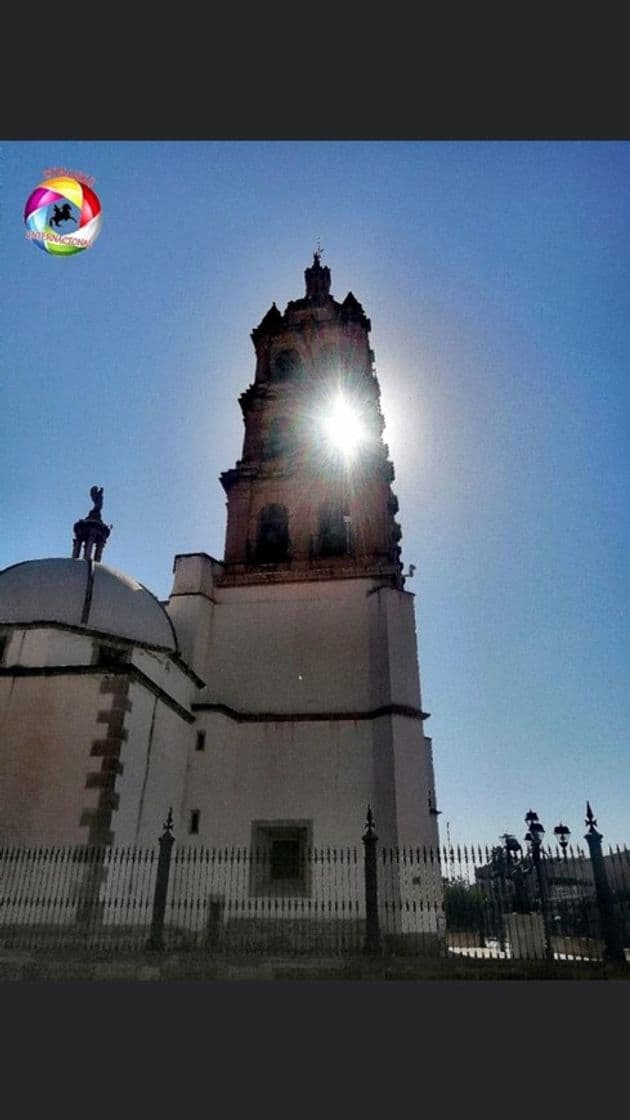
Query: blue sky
<point>496,276</point>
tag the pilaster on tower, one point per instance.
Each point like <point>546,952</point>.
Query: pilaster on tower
<point>311,497</point>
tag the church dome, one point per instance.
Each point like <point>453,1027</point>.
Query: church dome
<point>85,594</point>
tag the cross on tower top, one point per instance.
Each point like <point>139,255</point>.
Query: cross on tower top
<point>317,279</point>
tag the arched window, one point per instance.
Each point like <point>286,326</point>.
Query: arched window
<point>333,530</point>
<point>286,364</point>
<point>279,440</point>
<point>329,360</point>
<point>272,541</point>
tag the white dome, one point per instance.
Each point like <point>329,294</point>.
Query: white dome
<point>87,594</point>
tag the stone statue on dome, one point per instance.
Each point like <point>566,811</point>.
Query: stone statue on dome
<point>91,533</point>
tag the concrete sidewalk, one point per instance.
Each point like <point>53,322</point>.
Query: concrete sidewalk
<point>41,965</point>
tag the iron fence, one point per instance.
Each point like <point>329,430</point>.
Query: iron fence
<point>76,896</point>
<point>230,900</point>
<point>458,901</point>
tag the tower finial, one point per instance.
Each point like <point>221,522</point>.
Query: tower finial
<point>317,279</point>
<point>369,822</point>
<point>91,532</point>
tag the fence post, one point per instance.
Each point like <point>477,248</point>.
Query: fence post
<point>614,950</point>
<point>166,841</point>
<point>372,934</point>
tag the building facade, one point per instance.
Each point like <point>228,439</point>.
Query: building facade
<point>277,692</point>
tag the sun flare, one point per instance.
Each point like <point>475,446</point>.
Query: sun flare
<point>344,428</point>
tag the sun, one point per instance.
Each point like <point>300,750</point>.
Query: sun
<point>343,427</point>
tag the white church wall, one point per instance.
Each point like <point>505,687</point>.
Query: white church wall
<point>190,607</point>
<point>319,776</point>
<point>326,771</point>
<point>404,824</point>
<point>39,646</point>
<point>194,574</point>
<point>404,678</point>
<point>298,647</point>
<point>393,657</point>
<point>337,646</point>
<point>153,757</point>
<point>160,669</point>
<point>167,774</point>
<point>280,771</point>
<point>384,800</point>
<point>134,757</point>
<point>192,616</point>
<point>416,825</point>
<point>402,780</point>
<point>48,725</point>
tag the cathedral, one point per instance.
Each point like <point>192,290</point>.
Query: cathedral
<point>276,693</point>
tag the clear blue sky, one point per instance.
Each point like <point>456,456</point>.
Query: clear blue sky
<point>496,276</point>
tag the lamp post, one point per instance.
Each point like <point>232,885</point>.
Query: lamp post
<point>510,867</point>
<point>562,831</point>
<point>534,837</point>
<point>516,871</point>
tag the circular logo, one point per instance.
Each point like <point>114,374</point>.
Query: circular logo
<point>63,216</point>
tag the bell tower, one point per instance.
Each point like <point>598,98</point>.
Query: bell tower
<point>304,634</point>
<point>311,496</point>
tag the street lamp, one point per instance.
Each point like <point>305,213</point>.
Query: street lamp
<point>511,845</point>
<point>562,831</point>
<point>516,870</point>
<point>535,834</point>
<point>534,837</point>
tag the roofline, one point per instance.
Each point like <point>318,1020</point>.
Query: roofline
<point>185,555</point>
<point>90,570</point>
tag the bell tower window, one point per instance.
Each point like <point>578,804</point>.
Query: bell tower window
<point>334,530</point>
<point>286,364</point>
<point>272,541</point>
<point>279,440</point>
